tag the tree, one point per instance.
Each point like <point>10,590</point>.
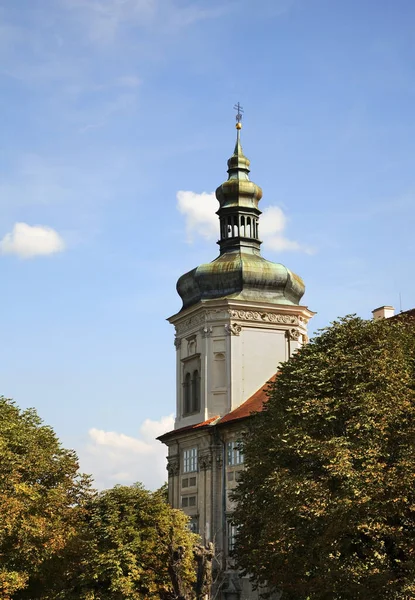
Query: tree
<point>326,506</point>
<point>42,496</point>
<point>135,547</point>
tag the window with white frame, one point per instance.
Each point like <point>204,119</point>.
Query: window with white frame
<point>234,453</point>
<point>232,531</point>
<point>190,460</point>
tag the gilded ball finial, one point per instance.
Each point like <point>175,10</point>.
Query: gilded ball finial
<point>239,112</point>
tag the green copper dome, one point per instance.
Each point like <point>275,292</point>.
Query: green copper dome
<point>240,272</point>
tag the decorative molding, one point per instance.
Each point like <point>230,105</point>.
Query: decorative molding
<point>205,461</point>
<point>293,334</point>
<point>264,317</point>
<point>191,358</point>
<point>232,329</point>
<point>216,314</point>
<point>190,323</point>
<point>206,331</point>
<point>177,342</point>
<point>173,466</point>
<point>254,316</point>
<point>191,345</point>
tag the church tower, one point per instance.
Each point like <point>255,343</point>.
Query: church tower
<point>241,317</point>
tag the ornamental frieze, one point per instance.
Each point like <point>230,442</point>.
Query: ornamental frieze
<point>216,314</point>
<point>264,317</point>
<point>190,323</point>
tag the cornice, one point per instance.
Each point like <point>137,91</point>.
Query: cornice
<point>234,314</point>
<point>218,303</point>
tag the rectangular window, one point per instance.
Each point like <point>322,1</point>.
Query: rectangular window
<point>232,530</point>
<point>188,501</point>
<point>190,460</point>
<point>192,481</point>
<point>185,483</point>
<point>230,476</point>
<point>234,453</point>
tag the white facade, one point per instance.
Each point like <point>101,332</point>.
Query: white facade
<point>234,347</point>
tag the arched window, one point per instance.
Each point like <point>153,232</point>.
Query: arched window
<point>187,396</point>
<point>219,370</point>
<point>229,227</point>
<point>248,227</point>
<point>235,227</point>
<point>195,391</point>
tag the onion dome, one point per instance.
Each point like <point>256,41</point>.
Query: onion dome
<point>240,272</point>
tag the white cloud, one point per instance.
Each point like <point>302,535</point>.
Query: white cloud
<point>271,229</point>
<point>201,220</point>
<point>115,458</point>
<point>199,211</point>
<point>27,241</point>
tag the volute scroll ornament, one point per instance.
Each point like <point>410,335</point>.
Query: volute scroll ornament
<point>293,334</point>
<point>232,329</point>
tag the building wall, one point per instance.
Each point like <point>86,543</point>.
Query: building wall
<point>235,347</point>
<point>215,476</point>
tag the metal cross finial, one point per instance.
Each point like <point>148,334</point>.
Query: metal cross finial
<point>239,112</point>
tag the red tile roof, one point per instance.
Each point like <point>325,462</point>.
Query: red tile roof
<point>190,427</point>
<point>254,404</point>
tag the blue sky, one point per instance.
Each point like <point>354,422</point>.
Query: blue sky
<point>109,109</point>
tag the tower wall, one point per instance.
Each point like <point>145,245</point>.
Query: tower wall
<point>234,347</point>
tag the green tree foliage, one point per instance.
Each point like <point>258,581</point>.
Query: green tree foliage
<point>60,540</point>
<point>135,547</point>
<point>41,498</point>
<point>326,506</point>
